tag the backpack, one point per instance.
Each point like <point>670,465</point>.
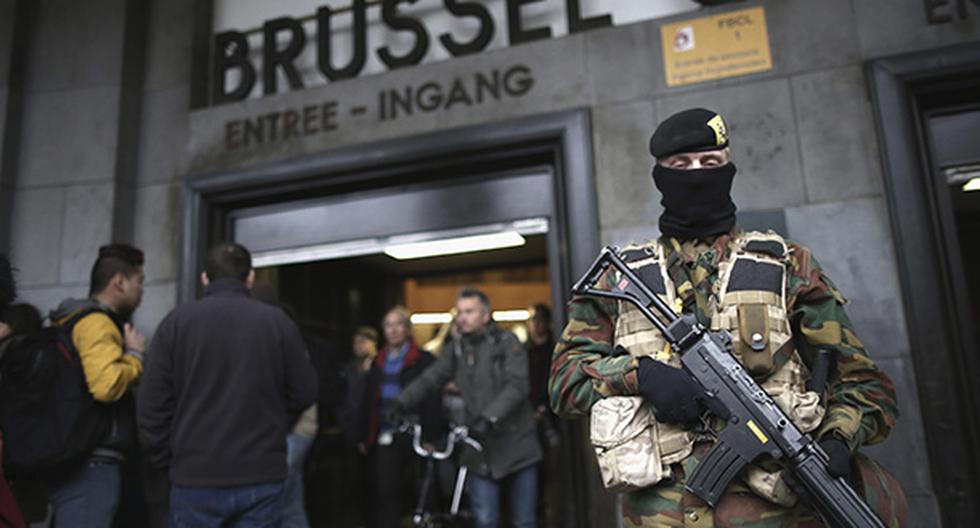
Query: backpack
<point>48,417</point>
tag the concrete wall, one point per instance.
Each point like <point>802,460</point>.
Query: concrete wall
<point>104,110</point>
<point>106,135</point>
<point>65,176</point>
<point>162,161</point>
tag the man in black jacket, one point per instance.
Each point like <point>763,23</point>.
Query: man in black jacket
<point>224,376</point>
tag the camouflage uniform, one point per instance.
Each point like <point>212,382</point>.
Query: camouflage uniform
<point>861,405</point>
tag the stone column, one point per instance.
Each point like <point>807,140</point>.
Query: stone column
<point>69,174</point>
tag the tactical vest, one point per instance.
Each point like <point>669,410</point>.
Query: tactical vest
<point>749,300</point>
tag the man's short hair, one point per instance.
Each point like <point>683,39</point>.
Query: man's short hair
<point>403,313</point>
<point>228,260</point>
<point>469,292</point>
<point>113,259</point>
<point>367,332</point>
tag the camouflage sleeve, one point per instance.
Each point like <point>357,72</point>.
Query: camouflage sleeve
<point>861,404</point>
<point>584,367</point>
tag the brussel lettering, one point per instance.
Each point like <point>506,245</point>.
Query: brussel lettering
<point>285,38</point>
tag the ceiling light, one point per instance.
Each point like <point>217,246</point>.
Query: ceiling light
<point>452,246</point>
<point>376,245</point>
<point>431,318</point>
<point>503,316</point>
<point>511,315</point>
<point>972,185</point>
<point>356,248</point>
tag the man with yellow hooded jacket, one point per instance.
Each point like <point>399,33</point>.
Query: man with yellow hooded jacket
<point>111,351</point>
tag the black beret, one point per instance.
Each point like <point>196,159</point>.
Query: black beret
<point>694,130</point>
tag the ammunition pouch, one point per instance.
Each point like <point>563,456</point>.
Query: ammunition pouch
<point>632,449</point>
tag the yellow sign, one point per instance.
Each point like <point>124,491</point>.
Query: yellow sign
<point>715,47</point>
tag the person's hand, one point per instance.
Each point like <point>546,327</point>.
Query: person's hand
<point>393,414</point>
<point>673,395</point>
<point>840,456</point>
<point>365,365</point>
<point>361,448</point>
<point>135,341</point>
<point>479,428</point>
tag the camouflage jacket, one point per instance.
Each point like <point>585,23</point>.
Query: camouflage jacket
<point>861,404</point>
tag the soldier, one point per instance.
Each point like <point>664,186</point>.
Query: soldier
<point>783,313</point>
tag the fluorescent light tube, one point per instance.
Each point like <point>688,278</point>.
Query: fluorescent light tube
<point>431,318</point>
<point>372,246</point>
<point>972,185</point>
<point>445,317</point>
<point>511,315</point>
<point>282,257</point>
<point>452,246</point>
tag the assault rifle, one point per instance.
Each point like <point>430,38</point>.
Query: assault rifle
<point>756,426</point>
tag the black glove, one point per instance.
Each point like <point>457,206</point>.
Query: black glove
<point>840,456</point>
<point>479,428</point>
<point>393,413</point>
<point>674,396</point>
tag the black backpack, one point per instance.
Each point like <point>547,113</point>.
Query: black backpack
<point>48,417</point>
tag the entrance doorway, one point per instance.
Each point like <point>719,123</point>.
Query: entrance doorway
<point>331,299</point>
<point>927,107</point>
<point>953,135</point>
<point>318,227</point>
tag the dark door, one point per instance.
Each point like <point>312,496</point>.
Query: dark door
<point>928,114</point>
<point>951,140</point>
<point>953,135</point>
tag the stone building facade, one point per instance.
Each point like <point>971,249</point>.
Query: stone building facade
<point>105,129</point>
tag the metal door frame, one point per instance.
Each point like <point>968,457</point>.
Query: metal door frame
<point>946,370</point>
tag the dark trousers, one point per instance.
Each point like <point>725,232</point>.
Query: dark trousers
<point>393,470</point>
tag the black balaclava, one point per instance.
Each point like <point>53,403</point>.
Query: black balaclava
<point>697,203</point>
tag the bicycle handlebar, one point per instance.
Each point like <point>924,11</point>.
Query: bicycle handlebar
<point>457,434</point>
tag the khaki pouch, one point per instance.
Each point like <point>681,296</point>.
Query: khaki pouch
<point>624,436</point>
<point>753,342</point>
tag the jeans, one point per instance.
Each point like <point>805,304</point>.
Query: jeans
<point>294,512</point>
<point>253,506</point>
<point>522,488</point>
<point>87,496</point>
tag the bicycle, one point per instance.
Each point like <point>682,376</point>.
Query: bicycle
<point>457,435</point>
